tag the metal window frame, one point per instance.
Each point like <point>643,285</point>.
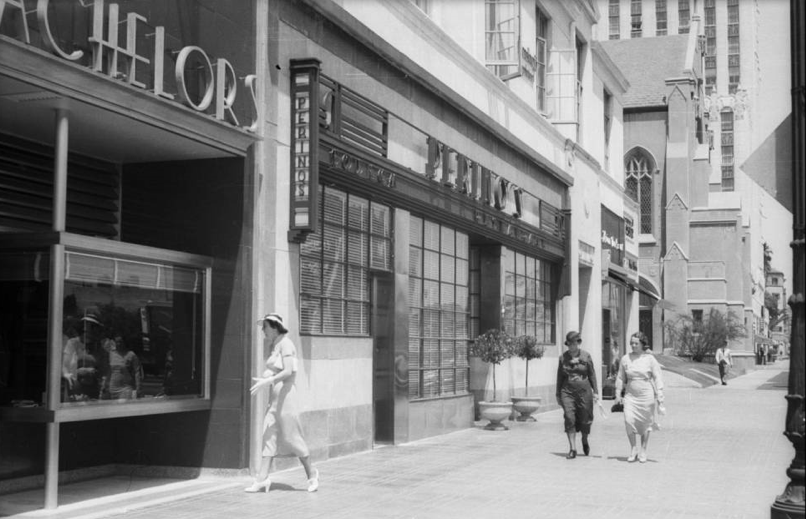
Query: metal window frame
<point>492,63</point>
<point>420,369</point>
<point>317,329</point>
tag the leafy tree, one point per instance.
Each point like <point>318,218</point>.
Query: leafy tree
<point>702,338</point>
<point>777,315</point>
<point>493,346</point>
<point>526,348</point>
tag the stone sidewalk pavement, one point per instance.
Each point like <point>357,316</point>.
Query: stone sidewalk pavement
<point>720,453</point>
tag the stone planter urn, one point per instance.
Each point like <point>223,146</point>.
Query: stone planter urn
<point>493,346</point>
<point>495,412</point>
<point>527,348</point>
<point>526,406</point>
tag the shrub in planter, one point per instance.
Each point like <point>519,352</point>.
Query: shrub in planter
<point>493,347</point>
<point>526,348</point>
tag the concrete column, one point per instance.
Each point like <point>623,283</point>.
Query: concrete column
<point>56,294</point>
<point>60,171</point>
<point>260,160</point>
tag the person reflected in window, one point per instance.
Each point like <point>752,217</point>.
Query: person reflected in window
<point>282,430</point>
<point>124,374</point>
<point>640,377</point>
<point>81,358</point>
<point>576,392</point>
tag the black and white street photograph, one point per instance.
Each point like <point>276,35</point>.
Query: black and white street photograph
<point>402,259</point>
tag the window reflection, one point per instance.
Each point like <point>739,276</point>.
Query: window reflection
<point>131,330</point>
<point>137,333</point>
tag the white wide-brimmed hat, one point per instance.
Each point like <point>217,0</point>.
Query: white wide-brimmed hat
<point>277,319</point>
<point>92,317</point>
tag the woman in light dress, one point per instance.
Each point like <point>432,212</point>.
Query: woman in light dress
<point>639,375</point>
<point>282,431</point>
<point>124,373</point>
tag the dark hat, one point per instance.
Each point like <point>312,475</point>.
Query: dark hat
<point>572,337</point>
<point>277,319</point>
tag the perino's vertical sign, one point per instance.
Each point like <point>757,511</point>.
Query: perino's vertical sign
<point>304,148</point>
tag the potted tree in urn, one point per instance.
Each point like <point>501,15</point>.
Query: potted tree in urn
<point>493,347</point>
<point>526,348</point>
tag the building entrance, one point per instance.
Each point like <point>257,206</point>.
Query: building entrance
<point>383,359</point>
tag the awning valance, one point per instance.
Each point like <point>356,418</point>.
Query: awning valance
<point>642,285</point>
<point>646,287</point>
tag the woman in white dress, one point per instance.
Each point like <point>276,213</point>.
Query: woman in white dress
<point>282,431</point>
<point>639,375</point>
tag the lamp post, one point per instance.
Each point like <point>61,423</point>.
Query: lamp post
<point>790,504</point>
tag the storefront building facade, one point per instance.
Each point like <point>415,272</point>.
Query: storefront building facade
<point>390,210</point>
<point>123,125</point>
<point>412,227</point>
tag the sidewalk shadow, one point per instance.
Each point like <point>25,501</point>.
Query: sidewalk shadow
<point>284,487</point>
<point>580,454</point>
<point>779,381</point>
<point>636,462</point>
<point>616,458</point>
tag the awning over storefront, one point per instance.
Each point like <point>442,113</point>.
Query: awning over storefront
<point>642,285</point>
<point>622,278</point>
<point>647,287</point>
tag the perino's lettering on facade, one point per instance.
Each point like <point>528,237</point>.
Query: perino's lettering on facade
<point>471,179</point>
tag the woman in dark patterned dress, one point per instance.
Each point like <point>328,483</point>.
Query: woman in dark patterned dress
<point>576,392</point>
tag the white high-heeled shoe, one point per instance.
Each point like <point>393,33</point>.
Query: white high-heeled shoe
<point>259,486</point>
<point>313,483</point>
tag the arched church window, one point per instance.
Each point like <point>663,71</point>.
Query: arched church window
<point>638,185</point>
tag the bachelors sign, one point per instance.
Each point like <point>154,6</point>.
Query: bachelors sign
<point>217,88</point>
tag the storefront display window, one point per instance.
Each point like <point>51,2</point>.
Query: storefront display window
<point>355,236</point>
<point>132,330</point>
<point>439,310</point>
<point>528,302</point>
<point>613,334</point>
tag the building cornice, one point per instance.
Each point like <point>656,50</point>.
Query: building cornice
<point>605,67</point>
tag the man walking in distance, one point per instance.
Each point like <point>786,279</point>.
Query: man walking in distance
<point>724,361</point>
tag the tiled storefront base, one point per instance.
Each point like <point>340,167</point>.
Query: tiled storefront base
<point>332,433</point>
<point>439,416</point>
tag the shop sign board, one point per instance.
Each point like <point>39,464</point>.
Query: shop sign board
<point>484,218</point>
<point>473,180</point>
<point>586,254</point>
<point>630,262</point>
<point>304,148</point>
<point>613,236</point>
<point>218,88</point>
<point>528,65</point>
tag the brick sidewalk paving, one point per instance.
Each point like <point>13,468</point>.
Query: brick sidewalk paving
<point>720,454</point>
